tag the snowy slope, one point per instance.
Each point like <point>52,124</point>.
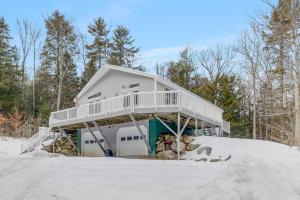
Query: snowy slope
<point>257,170</point>
<point>10,146</point>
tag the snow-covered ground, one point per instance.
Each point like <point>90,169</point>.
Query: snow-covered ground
<point>257,170</point>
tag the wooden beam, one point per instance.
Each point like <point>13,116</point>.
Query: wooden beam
<point>69,139</point>
<point>94,136</point>
<point>178,136</point>
<point>161,121</point>
<point>184,126</point>
<point>104,137</point>
<point>141,132</point>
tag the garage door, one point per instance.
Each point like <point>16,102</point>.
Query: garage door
<point>130,142</point>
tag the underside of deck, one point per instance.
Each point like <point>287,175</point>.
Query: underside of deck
<point>167,117</point>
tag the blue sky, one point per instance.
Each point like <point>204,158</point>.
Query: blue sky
<point>161,27</point>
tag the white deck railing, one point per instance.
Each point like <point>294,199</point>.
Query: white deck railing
<point>140,100</point>
<point>36,139</point>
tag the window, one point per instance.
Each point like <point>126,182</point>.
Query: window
<point>136,98</point>
<point>86,142</point>
<point>141,137</point>
<point>129,138</point>
<point>136,137</point>
<point>98,94</point>
<point>126,101</point>
<point>134,85</point>
<point>91,141</point>
<point>101,140</point>
<point>123,138</point>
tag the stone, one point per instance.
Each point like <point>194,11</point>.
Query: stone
<point>228,158</point>
<point>206,149</point>
<point>181,149</point>
<point>160,147</point>
<point>201,159</point>
<point>215,160</point>
<point>192,147</point>
<point>187,139</point>
<point>166,155</point>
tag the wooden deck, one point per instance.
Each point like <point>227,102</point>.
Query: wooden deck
<point>142,105</point>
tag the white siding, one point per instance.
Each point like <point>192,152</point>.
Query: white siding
<point>110,85</point>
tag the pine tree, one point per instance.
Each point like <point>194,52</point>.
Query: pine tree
<point>224,93</point>
<point>123,52</point>
<point>97,52</point>
<point>88,72</point>
<point>58,54</point>
<point>181,72</point>
<point>10,73</point>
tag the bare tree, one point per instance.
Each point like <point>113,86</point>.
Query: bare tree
<point>35,35</point>
<point>295,66</point>
<point>82,46</point>
<point>24,29</point>
<point>250,47</point>
<point>217,60</point>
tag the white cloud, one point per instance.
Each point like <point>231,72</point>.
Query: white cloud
<point>158,55</point>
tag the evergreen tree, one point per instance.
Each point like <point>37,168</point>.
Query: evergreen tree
<point>181,72</point>
<point>224,92</point>
<point>88,72</point>
<point>57,59</point>
<point>97,52</point>
<point>10,73</point>
<point>123,52</point>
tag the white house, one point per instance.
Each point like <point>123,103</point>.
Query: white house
<point>124,110</point>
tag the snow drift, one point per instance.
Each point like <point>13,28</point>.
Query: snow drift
<point>257,170</point>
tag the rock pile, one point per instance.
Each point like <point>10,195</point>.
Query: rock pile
<point>166,146</point>
<point>63,146</point>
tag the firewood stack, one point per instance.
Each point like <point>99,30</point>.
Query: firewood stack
<point>166,146</point>
<point>63,146</point>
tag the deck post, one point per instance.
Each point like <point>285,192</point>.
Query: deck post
<point>141,132</point>
<point>104,137</point>
<point>155,94</point>
<point>69,139</point>
<point>196,126</point>
<point>161,121</point>
<point>94,136</point>
<point>178,136</point>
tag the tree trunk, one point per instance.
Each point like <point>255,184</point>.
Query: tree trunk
<point>254,106</point>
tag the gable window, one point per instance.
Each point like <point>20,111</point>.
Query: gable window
<point>134,85</point>
<point>98,94</point>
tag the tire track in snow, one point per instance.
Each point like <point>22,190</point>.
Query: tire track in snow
<point>46,172</point>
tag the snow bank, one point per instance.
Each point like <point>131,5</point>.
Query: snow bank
<point>258,170</point>
<point>10,146</point>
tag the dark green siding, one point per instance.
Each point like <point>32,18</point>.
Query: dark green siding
<point>79,139</point>
<point>155,129</point>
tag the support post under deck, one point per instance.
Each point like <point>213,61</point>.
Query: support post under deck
<point>141,132</point>
<point>178,136</point>
<point>104,137</point>
<point>94,136</point>
<point>69,139</point>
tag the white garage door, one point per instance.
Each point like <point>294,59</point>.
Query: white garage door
<point>89,144</point>
<point>130,142</point>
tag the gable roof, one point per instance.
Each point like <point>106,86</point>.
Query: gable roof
<point>107,67</point>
